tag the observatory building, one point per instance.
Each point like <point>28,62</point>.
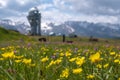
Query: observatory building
<point>34,18</point>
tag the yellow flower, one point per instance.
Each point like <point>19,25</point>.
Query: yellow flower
<point>80,61</point>
<point>58,61</point>
<point>112,53</point>
<point>90,76</point>
<point>77,71</point>
<point>18,61</point>
<point>44,59</point>
<point>65,73</point>
<point>95,57</point>
<point>27,61</point>
<point>19,57</point>
<point>61,54</point>
<point>50,64</point>
<point>2,48</point>
<point>118,78</point>
<point>32,65</point>
<point>106,65</point>
<point>116,61</point>
<point>68,54</point>
<point>1,59</point>
<point>99,66</point>
<point>8,55</point>
<point>72,59</point>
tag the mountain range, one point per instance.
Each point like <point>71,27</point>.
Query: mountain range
<point>102,30</point>
<point>16,26</point>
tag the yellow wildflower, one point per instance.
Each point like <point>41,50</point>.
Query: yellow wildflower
<point>61,58</point>
<point>116,61</point>
<point>1,59</point>
<point>72,59</point>
<point>19,57</point>
<point>112,53</point>
<point>27,61</point>
<point>68,54</point>
<point>90,76</point>
<point>77,71</point>
<point>99,66</point>
<point>118,78</point>
<point>58,61</point>
<point>32,65</point>
<point>44,59</point>
<point>119,55</point>
<point>61,54</point>
<point>95,57</point>
<point>8,55</point>
<point>44,53</point>
<point>18,61</point>
<point>80,61</point>
<point>2,48</point>
<point>106,65</point>
<point>50,64</point>
<point>65,73</point>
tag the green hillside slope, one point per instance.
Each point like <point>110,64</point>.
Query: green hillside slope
<point>8,35</point>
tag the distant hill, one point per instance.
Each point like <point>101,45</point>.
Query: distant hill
<point>8,35</point>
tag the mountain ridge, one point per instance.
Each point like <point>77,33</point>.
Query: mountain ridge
<point>80,28</point>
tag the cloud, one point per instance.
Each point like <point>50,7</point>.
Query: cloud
<point>3,3</point>
<point>44,7</point>
<point>23,2</point>
<point>100,7</point>
<point>21,5</point>
<point>12,8</point>
<point>63,10</point>
<point>54,15</point>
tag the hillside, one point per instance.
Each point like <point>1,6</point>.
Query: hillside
<point>8,35</point>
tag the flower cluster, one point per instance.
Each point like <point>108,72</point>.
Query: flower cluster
<point>59,63</point>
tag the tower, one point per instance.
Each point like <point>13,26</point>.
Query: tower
<point>34,18</point>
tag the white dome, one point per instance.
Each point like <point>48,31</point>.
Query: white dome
<point>33,9</point>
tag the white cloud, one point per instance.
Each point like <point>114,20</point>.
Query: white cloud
<point>21,19</point>
<point>25,2</point>
<point>22,2</point>
<point>102,19</point>
<point>44,6</point>
<point>100,7</point>
<point>63,10</point>
<point>55,16</point>
<point>3,3</point>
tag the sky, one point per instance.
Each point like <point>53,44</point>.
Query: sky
<point>59,11</point>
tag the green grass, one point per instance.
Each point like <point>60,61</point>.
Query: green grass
<point>8,35</point>
<point>29,59</point>
<point>47,61</point>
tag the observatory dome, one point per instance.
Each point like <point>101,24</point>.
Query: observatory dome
<point>33,10</point>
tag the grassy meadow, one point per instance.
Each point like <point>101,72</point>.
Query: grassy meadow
<point>26,58</point>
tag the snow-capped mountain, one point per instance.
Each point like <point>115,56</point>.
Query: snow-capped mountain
<point>17,26</point>
<point>7,24</point>
<point>104,30</point>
